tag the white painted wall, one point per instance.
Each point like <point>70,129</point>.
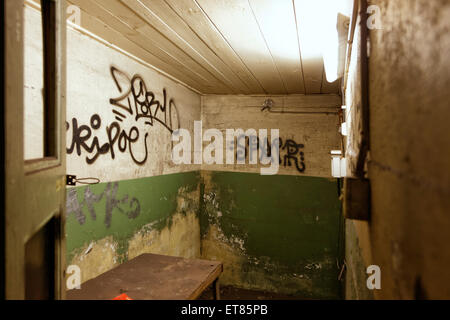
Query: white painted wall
<point>34,84</point>
<point>90,86</point>
<point>317,132</point>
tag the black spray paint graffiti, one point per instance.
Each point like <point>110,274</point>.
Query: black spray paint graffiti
<point>290,151</point>
<point>135,103</point>
<point>125,140</point>
<point>130,207</point>
<point>293,153</point>
<point>143,104</point>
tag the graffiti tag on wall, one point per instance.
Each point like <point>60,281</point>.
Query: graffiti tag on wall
<point>136,104</point>
<point>131,207</point>
<point>291,153</point>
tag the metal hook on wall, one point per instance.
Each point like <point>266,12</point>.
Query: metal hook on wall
<point>268,104</point>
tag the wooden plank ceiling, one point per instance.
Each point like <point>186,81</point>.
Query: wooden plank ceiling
<point>213,46</point>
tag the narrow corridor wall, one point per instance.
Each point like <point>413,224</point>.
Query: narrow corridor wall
<point>407,236</point>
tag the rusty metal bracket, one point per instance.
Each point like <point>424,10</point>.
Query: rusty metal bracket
<point>357,199</point>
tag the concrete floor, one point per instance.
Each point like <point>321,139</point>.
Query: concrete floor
<point>233,293</point>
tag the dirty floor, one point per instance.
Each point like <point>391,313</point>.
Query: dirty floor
<point>233,293</point>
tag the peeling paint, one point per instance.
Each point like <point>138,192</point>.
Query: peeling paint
<point>95,259</point>
<point>182,239</point>
<point>272,233</point>
<point>170,226</point>
<point>262,247</point>
<point>258,273</point>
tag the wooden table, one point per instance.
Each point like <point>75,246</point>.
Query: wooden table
<point>153,277</point>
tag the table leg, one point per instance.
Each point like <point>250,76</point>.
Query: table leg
<point>216,289</point>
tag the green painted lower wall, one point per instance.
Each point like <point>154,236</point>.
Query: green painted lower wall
<point>274,233</point>
<point>108,222</point>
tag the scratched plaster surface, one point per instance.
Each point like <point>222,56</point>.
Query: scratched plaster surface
<point>283,238</point>
<point>110,223</point>
<point>181,239</point>
<point>409,96</point>
<point>96,258</point>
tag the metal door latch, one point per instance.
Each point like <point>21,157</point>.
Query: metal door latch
<point>72,180</point>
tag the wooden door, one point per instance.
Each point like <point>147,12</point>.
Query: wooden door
<point>34,213</point>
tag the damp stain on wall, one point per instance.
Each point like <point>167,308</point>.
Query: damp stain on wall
<point>101,233</point>
<point>274,233</point>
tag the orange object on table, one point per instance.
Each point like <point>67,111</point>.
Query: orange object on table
<point>123,296</point>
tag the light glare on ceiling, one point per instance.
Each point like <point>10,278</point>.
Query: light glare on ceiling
<point>317,28</point>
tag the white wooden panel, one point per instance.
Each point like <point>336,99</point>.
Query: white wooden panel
<point>151,43</point>
<point>214,46</point>
<point>236,22</point>
<point>161,16</point>
<point>277,22</point>
<point>313,72</point>
<point>108,27</point>
<point>201,24</point>
<point>140,24</point>
<point>117,39</point>
<point>312,64</point>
